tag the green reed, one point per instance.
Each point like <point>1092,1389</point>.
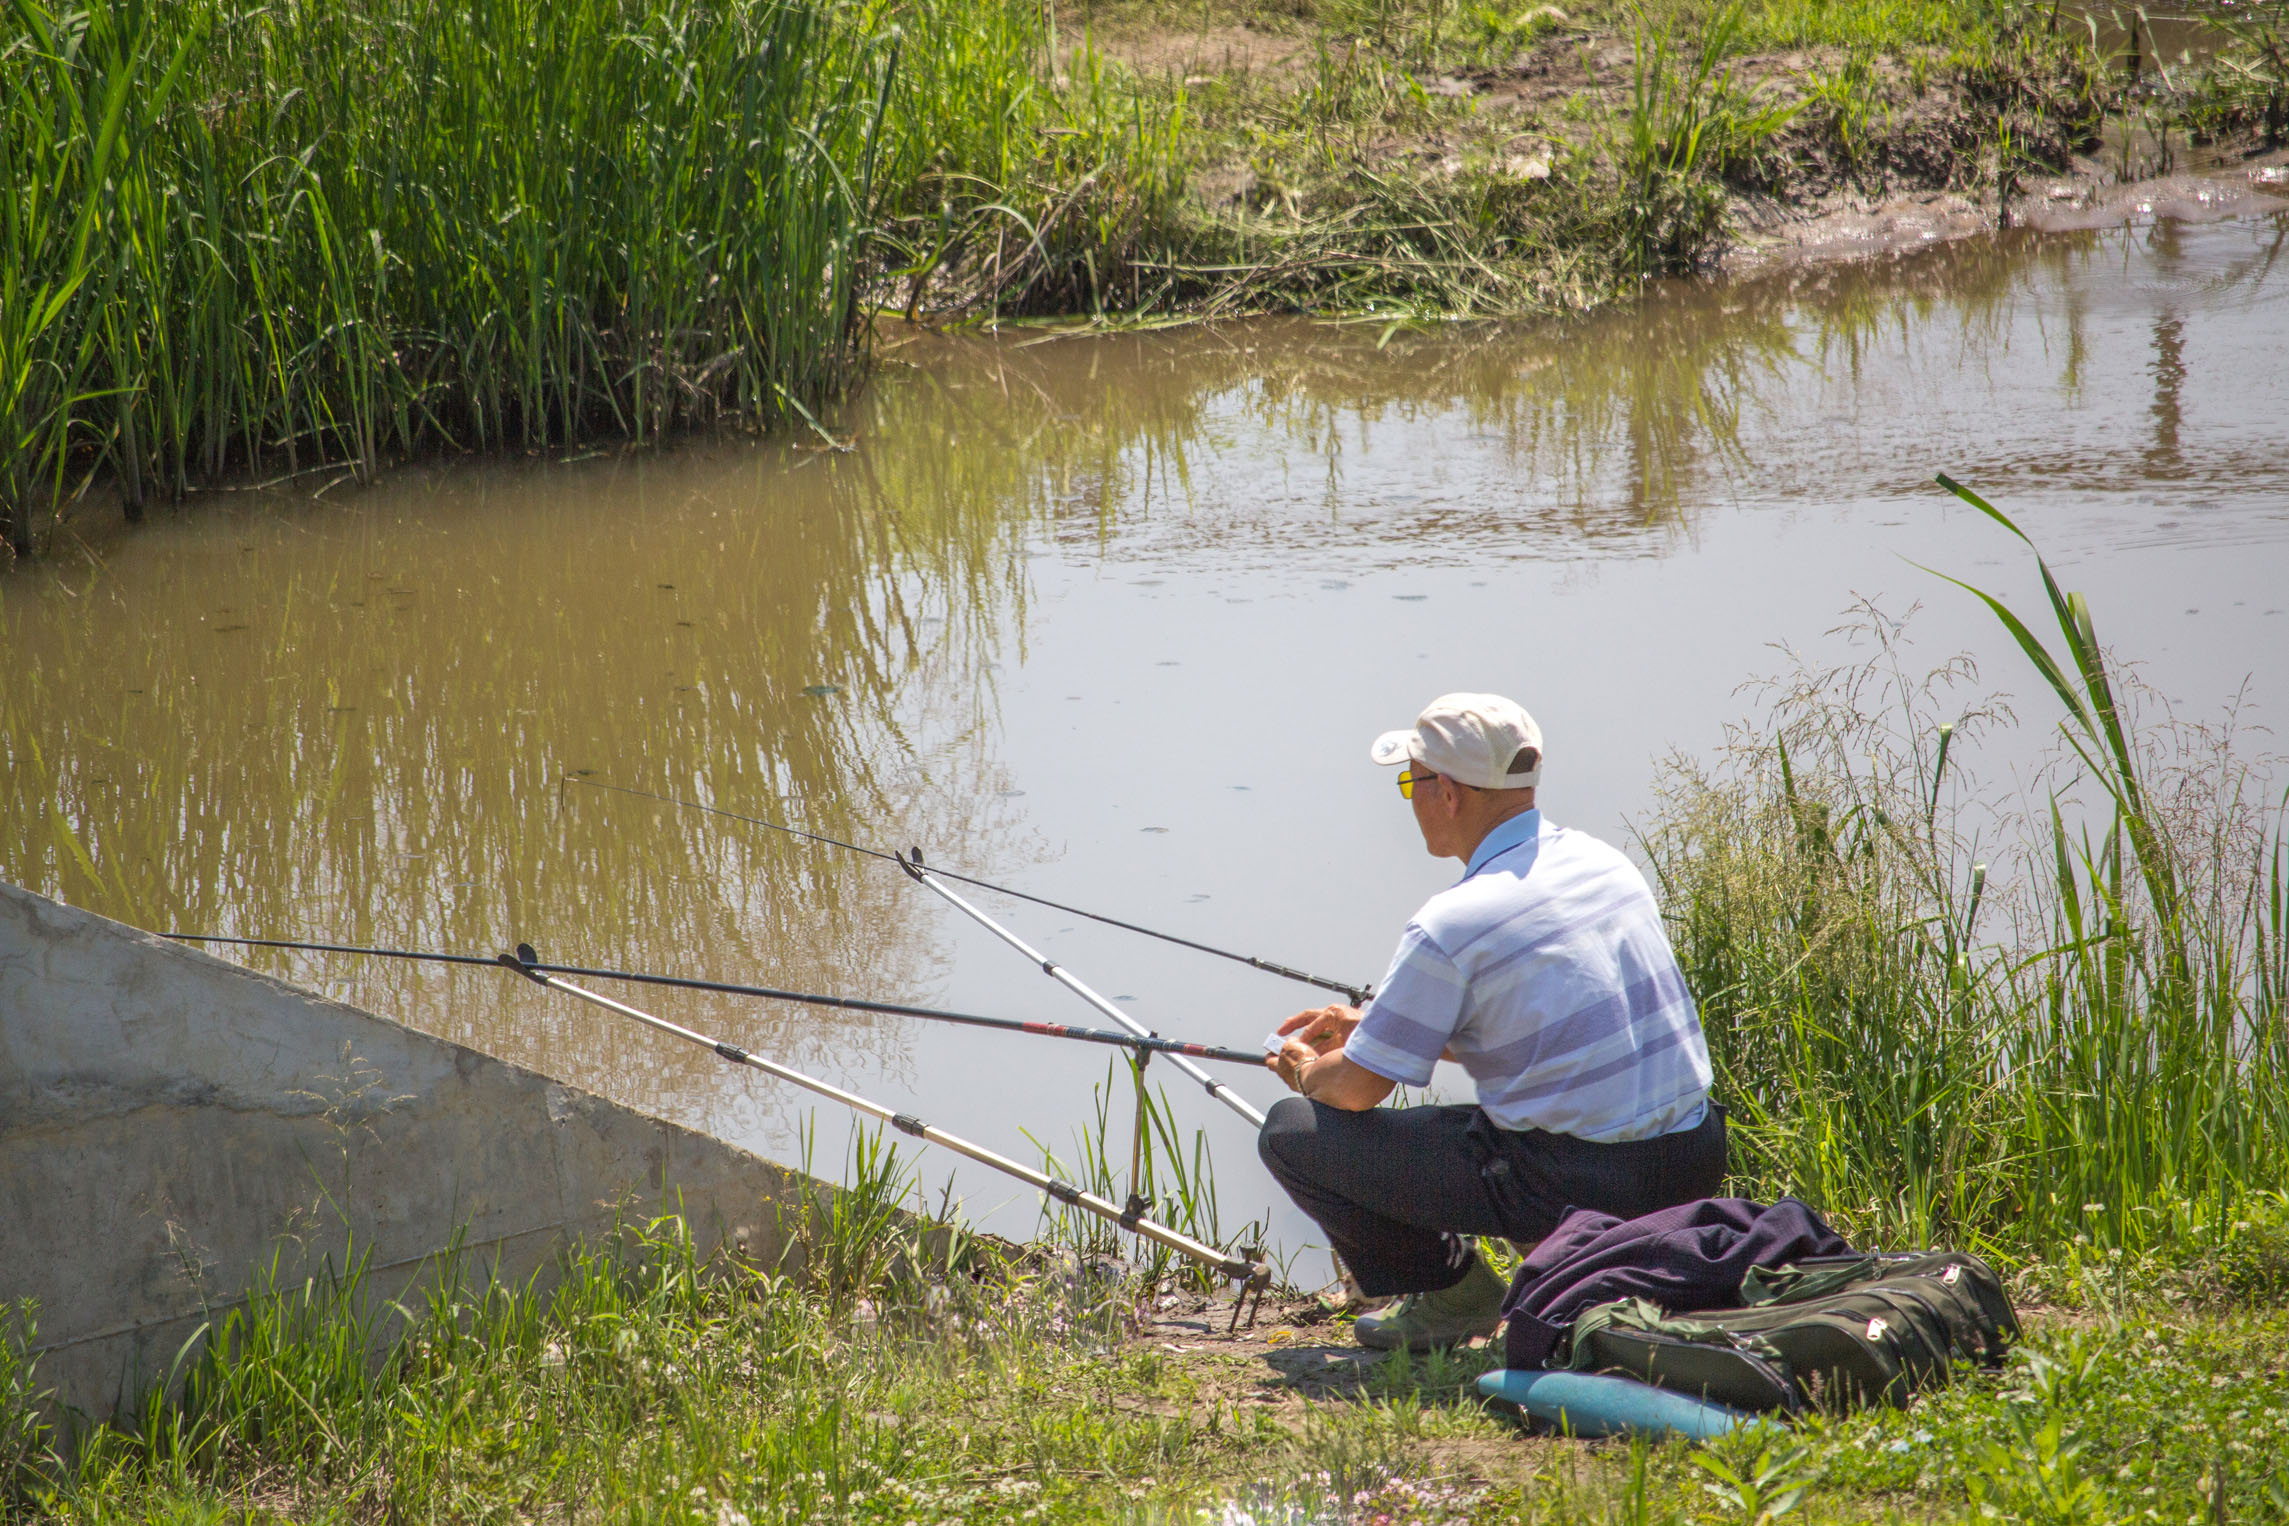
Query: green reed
<point>850,1242</point>
<point>1177,1180</point>
<point>2092,1046</point>
<point>1685,128</point>
<point>271,238</point>
<point>2246,87</point>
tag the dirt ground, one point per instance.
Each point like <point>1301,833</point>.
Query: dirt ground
<point>1922,171</point>
<point>1296,1357</point>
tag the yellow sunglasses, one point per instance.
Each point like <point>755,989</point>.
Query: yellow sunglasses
<point>1408,779</point>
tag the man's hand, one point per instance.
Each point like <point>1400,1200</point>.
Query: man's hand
<point>1313,1064</point>
<point>1291,1062</point>
<point>1310,1034</point>
<point>1322,1029</point>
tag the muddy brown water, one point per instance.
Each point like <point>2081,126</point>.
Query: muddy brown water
<point>1113,618</point>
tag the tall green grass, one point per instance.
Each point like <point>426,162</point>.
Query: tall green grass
<point>267,238</point>
<point>1020,181</point>
<point>1948,1019</point>
<point>1685,129</point>
<point>638,1380</point>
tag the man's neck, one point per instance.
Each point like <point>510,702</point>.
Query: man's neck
<point>1470,849</point>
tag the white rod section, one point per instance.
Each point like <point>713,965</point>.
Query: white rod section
<point>1071,982</point>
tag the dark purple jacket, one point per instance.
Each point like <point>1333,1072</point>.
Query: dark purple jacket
<point>1689,1257</point>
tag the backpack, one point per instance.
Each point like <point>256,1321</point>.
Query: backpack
<point>1832,1332</point>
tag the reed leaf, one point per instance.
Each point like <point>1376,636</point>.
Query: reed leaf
<point>250,237</point>
<point>2102,1068</point>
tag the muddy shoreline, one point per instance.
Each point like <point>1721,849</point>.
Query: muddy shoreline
<point>1814,152</point>
<point>2083,199</point>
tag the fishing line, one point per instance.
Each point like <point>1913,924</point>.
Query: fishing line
<point>1135,1041</point>
<point>1254,1274</point>
<point>1357,994</point>
<point>1066,978</point>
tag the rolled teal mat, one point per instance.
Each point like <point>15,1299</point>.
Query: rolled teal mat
<point>1596,1404</point>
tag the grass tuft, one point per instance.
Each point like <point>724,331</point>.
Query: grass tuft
<point>2082,1052</point>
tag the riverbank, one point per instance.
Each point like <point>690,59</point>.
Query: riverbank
<point>1431,161</point>
<point>296,247</point>
<point>651,1386</point>
<point>2096,1106</point>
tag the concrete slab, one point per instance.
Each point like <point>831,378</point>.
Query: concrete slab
<point>171,1124</point>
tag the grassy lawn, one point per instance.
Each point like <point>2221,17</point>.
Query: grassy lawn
<point>645,1389</point>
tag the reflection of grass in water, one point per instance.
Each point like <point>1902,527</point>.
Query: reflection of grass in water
<point>390,773</point>
<point>283,777</point>
<point>2097,1054</point>
<point>1620,422</point>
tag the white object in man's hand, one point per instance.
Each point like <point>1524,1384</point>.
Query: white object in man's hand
<point>1308,1036</point>
<point>1324,1029</point>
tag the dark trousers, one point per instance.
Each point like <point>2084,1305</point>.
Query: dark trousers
<point>1398,1189</point>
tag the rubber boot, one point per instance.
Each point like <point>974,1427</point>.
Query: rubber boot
<point>1448,1317</point>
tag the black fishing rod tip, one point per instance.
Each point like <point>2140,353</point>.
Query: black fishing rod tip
<point>911,863</point>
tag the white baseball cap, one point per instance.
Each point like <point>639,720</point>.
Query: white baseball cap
<point>1475,739</point>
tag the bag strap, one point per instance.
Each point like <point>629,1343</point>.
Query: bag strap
<point>1799,1281</point>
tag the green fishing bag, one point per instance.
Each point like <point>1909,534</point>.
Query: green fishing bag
<point>1831,1333</point>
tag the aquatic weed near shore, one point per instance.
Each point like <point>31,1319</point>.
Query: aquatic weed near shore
<point>2084,1043</point>
<point>245,238</point>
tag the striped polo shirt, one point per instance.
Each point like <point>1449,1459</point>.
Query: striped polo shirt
<point>1547,972</point>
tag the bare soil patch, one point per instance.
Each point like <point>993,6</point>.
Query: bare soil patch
<point>1880,157</point>
<point>1198,55</point>
<point>1296,1359</point>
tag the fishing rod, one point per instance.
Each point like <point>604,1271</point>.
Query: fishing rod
<point>1254,1275</point>
<point>922,875</point>
<point>1357,994</point>
<point>1138,1041</point>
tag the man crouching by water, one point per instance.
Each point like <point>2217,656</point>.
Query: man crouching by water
<point>1545,973</point>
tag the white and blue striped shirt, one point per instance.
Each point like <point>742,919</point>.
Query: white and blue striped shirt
<point>1547,972</point>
